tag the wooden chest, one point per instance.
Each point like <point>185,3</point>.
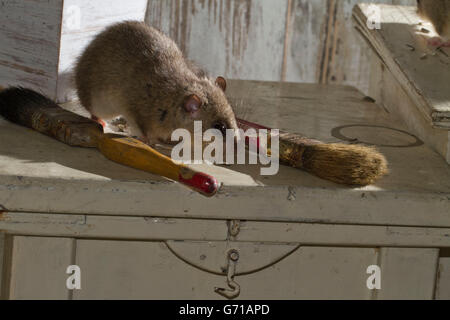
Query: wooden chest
<point>136,235</point>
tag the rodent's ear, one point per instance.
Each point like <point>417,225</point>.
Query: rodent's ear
<point>221,83</point>
<point>192,104</point>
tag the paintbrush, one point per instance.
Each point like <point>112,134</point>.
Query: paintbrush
<point>33,110</point>
<point>341,163</point>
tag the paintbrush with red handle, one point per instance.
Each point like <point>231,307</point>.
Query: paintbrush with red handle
<point>337,162</point>
<point>33,110</point>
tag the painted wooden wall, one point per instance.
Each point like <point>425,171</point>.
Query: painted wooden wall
<point>29,43</point>
<point>93,17</point>
<point>287,40</point>
<point>40,40</point>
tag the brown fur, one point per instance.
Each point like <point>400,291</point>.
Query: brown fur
<point>438,13</point>
<point>345,164</point>
<point>133,70</point>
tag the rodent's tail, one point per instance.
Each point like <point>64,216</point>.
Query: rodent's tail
<point>18,104</point>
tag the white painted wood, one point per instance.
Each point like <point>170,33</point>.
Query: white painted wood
<point>81,21</point>
<point>6,257</point>
<point>139,228</point>
<point>260,203</point>
<point>113,227</point>
<point>39,174</point>
<point>212,256</point>
<point>2,263</point>
<point>314,273</point>
<point>343,235</point>
<point>443,280</point>
<point>314,40</point>
<point>424,79</point>
<point>41,40</point>
<point>38,268</point>
<point>407,274</point>
<point>236,39</point>
<point>306,35</point>
<point>294,40</point>
<point>29,44</point>
<point>150,270</point>
<point>346,56</point>
<point>389,93</point>
<point>138,270</point>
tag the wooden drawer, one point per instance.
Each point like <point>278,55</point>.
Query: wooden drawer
<point>136,235</point>
<point>36,269</point>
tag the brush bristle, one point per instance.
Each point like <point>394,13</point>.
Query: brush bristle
<point>345,164</point>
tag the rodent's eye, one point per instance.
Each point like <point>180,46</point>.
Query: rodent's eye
<point>221,127</point>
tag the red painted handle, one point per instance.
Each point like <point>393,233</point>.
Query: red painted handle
<point>199,181</point>
<point>243,124</point>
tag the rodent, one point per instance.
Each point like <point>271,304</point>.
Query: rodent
<point>133,70</point>
<point>438,13</point>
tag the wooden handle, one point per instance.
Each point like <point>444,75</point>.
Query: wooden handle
<point>292,146</point>
<point>136,154</point>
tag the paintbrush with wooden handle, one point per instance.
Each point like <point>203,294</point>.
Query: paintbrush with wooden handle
<point>341,163</point>
<point>33,110</point>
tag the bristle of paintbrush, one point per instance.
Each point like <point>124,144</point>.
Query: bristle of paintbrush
<point>345,164</point>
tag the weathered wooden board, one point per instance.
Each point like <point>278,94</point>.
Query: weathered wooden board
<point>407,273</point>
<point>279,40</point>
<point>212,256</point>
<point>234,38</point>
<point>29,43</point>
<point>300,275</point>
<point>150,270</point>
<point>288,40</point>
<point>2,262</point>
<point>113,227</point>
<point>38,174</point>
<point>306,32</point>
<point>347,59</point>
<point>387,91</point>
<point>425,78</point>
<point>153,228</point>
<point>6,250</point>
<point>40,40</point>
<point>138,270</point>
<point>38,268</point>
<point>343,235</point>
<point>443,279</point>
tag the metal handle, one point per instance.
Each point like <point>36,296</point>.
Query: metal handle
<point>235,289</point>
